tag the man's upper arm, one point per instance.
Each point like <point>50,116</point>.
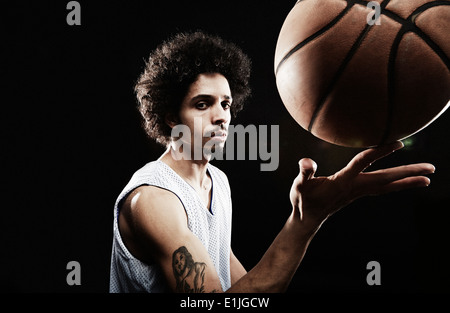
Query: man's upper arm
<point>236,268</point>
<point>153,225</point>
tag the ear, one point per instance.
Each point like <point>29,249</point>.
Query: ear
<point>171,120</point>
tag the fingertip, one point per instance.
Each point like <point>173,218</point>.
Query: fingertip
<point>432,168</point>
<point>398,145</point>
<point>428,168</point>
<point>390,147</point>
<point>307,163</point>
<point>307,167</point>
<point>422,181</point>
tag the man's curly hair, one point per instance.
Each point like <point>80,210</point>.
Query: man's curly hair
<point>174,65</point>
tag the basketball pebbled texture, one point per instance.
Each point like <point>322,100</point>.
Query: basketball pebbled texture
<point>360,85</point>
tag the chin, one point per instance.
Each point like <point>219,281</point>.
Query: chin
<point>216,149</point>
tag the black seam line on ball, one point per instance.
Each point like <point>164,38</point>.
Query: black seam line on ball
<point>412,27</point>
<point>338,74</point>
<point>391,84</point>
<point>407,27</point>
<point>408,24</point>
<point>314,36</point>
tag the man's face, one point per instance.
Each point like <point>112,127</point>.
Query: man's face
<point>206,110</point>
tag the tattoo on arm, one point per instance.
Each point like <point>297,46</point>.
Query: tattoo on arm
<point>189,275</point>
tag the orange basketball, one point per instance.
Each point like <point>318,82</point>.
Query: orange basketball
<point>361,74</point>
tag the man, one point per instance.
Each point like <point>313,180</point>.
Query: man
<point>172,222</point>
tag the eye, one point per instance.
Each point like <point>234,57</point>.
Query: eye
<point>202,105</point>
<point>226,104</point>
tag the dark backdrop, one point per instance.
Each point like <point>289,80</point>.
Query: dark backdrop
<point>72,137</point>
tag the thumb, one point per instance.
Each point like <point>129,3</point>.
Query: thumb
<point>307,169</point>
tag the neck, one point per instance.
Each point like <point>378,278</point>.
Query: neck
<point>193,171</point>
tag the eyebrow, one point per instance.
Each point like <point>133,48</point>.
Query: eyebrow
<point>204,96</point>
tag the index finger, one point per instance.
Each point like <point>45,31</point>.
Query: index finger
<point>365,158</point>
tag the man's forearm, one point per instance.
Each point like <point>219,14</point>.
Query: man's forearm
<point>275,270</point>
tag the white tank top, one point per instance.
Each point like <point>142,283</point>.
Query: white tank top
<point>212,227</point>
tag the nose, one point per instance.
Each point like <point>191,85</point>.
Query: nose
<point>219,114</point>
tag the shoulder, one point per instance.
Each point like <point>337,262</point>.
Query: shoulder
<point>148,215</point>
<point>151,200</point>
<point>148,171</point>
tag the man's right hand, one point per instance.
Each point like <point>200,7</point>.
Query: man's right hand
<point>316,198</point>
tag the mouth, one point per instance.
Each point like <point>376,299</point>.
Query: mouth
<point>219,133</point>
<point>219,136</point>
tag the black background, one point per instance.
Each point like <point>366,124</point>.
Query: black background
<point>72,137</point>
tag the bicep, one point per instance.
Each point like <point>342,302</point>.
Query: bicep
<point>160,229</point>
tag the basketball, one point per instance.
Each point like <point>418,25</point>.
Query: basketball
<point>359,74</point>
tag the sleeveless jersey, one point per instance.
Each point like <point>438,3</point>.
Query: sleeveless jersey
<point>212,227</point>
